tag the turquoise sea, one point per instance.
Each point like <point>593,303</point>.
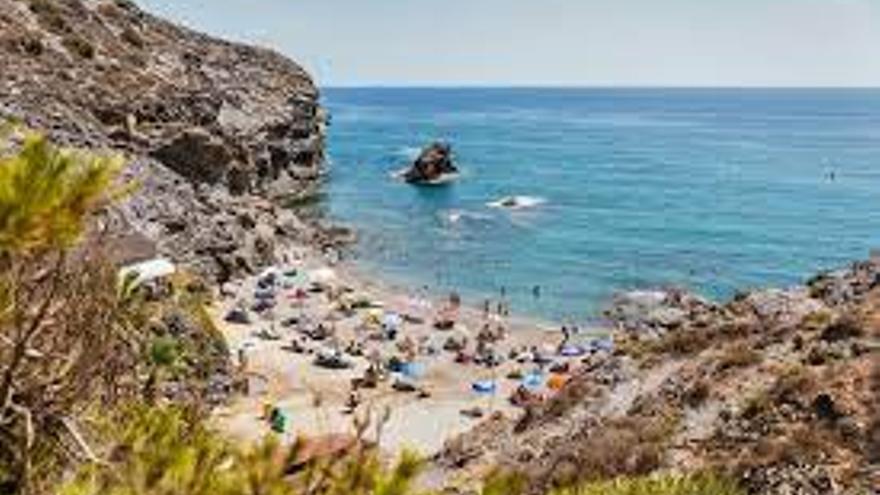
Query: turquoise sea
<point>710,189</point>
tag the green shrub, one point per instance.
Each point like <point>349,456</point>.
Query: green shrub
<point>739,355</point>
<point>66,336</point>
<point>164,450</point>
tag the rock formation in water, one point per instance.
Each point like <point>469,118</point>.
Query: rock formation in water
<point>218,135</point>
<point>432,164</point>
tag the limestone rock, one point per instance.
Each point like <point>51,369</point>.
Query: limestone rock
<point>432,164</point>
<point>208,125</point>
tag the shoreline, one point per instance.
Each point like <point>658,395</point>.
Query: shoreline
<point>316,399</point>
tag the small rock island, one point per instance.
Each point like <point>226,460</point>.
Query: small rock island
<point>434,165</point>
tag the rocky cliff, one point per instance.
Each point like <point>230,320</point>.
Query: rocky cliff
<point>219,136</point>
<point>778,389</point>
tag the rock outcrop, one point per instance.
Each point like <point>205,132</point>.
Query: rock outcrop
<point>778,389</point>
<point>219,135</point>
<point>432,165</point>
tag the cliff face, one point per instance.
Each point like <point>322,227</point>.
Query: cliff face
<point>218,134</point>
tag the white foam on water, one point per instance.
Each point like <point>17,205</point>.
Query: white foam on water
<point>456,216</point>
<point>517,202</point>
<point>408,152</point>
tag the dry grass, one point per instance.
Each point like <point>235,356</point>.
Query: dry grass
<point>848,326</point>
<point>629,446</point>
<point>697,393</point>
<point>738,355</point>
<point>79,46</point>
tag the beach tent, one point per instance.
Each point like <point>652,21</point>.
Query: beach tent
<point>147,271</point>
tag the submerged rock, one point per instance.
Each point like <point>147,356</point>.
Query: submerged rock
<point>433,165</point>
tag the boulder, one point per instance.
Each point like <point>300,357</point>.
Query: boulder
<point>433,164</point>
<point>197,155</point>
<point>654,312</point>
<point>783,307</point>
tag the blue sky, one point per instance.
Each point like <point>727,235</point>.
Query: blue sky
<point>557,42</point>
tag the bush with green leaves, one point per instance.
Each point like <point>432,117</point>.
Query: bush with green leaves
<point>167,451</point>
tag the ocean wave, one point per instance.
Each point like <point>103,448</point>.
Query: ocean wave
<point>399,174</point>
<point>456,216</point>
<point>517,202</point>
<point>408,152</point>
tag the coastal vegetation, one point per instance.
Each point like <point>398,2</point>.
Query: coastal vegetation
<point>110,387</point>
<point>83,362</point>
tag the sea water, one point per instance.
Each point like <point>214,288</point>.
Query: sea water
<point>713,190</point>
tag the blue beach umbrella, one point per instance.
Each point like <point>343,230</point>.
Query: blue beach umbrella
<point>602,344</point>
<point>484,387</point>
<point>412,370</point>
<point>570,350</point>
<point>533,381</point>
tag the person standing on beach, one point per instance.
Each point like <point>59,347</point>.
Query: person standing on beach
<point>566,336</point>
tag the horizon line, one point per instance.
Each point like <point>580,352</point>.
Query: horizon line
<point>591,86</point>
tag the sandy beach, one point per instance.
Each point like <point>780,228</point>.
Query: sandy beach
<point>315,399</point>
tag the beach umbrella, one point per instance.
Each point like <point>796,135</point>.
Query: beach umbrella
<point>412,370</point>
<point>484,387</point>
<point>392,321</point>
<point>556,382</point>
<point>602,344</point>
<point>570,350</point>
<point>533,381</point>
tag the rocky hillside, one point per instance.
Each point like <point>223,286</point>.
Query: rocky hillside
<point>779,389</point>
<point>218,134</point>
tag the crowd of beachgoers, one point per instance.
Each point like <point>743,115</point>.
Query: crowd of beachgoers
<point>323,344</point>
